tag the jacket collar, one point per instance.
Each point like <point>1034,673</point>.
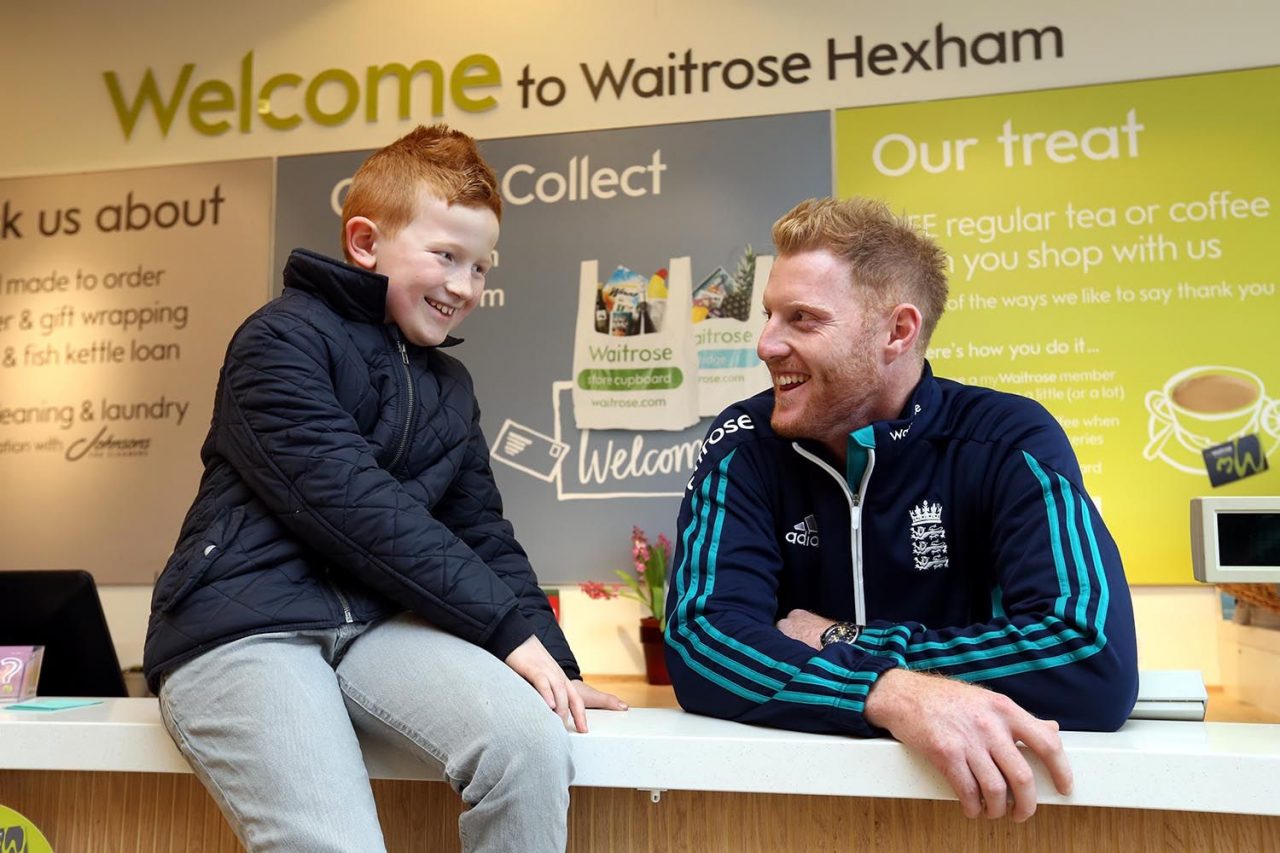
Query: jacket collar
<point>351,292</point>
<point>916,416</point>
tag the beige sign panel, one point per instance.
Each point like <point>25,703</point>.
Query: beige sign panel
<point>118,294</point>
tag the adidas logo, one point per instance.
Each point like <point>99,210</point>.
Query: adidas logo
<point>804,533</point>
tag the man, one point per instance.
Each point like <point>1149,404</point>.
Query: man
<point>866,547</point>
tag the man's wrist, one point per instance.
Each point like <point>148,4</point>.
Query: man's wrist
<point>883,699</point>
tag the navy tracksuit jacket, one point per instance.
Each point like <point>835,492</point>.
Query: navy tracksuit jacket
<point>959,535</point>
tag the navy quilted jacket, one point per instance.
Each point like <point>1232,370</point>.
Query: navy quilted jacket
<point>345,479</point>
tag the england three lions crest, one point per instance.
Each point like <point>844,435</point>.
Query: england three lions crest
<point>928,537</point>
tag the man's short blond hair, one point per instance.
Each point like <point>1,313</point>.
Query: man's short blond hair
<point>445,162</point>
<point>889,259</point>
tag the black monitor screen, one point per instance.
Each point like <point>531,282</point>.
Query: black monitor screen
<point>1248,539</point>
<point>60,610</point>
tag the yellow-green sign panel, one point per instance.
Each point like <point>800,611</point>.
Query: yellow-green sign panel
<point>19,835</point>
<point>1113,255</point>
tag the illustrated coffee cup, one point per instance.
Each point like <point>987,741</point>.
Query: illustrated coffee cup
<point>1204,406</point>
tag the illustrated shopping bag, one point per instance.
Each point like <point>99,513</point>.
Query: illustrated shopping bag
<point>634,362</point>
<point>727,316</point>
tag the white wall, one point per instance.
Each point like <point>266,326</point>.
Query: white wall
<point>1177,629</point>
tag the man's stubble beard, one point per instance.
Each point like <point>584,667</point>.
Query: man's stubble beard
<point>847,397</point>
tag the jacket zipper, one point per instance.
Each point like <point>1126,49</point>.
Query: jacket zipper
<point>342,599</point>
<point>856,502</point>
<point>408,415</point>
<point>346,605</point>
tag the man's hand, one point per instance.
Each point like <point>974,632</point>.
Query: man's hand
<point>971,735</point>
<point>534,664</point>
<point>805,626</point>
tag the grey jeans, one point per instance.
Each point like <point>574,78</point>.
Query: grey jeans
<point>269,725</point>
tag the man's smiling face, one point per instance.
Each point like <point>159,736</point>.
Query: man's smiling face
<point>819,344</point>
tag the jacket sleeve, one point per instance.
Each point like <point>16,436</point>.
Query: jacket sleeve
<point>725,655</point>
<point>1060,640</point>
<point>304,457</point>
<point>472,509</point>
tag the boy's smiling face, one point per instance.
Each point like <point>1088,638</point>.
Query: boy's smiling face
<point>435,266</point>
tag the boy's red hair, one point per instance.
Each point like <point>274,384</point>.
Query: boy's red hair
<point>445,162</point>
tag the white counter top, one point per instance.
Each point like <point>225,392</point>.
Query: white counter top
<point>1149,764</point>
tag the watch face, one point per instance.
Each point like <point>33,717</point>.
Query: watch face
<point>840,632</point>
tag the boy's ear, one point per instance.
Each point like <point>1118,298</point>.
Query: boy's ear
<point>361,236</point>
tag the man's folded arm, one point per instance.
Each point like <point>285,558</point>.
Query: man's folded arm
<point>725,655</point>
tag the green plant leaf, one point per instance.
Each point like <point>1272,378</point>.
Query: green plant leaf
<point>630,582</point>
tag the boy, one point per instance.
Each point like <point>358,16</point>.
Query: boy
<point>346,564</point>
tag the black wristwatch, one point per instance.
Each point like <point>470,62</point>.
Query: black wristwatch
<point>840,632</point>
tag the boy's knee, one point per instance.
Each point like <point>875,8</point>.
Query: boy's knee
<point>535,741</point>
<point>538,731</point>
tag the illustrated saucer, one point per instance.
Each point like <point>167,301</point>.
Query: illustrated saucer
<point>1180,450</point>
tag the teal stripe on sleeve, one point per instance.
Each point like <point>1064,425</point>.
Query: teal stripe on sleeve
<point>1099,571</point>
<point>1030,665</point>
<point>1077,553</point>
<point>1055,537</point>
<point>836,669</point>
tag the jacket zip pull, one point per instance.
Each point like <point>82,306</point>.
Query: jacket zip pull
<point>404,356</point>
<point>346,606</point>
<point>342,599</point>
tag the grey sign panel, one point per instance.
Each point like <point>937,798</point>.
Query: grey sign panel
<point>634,198</point>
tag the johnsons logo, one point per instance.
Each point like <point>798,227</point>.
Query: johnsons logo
<point>104,443</point>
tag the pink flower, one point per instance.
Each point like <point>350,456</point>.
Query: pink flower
<point>639,544</point>
<point>597,591</point>
<point>645,583</point>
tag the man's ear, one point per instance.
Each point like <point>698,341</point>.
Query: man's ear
<point>360,235</point>
<point>904,324</point>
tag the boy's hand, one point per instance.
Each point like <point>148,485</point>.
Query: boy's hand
<point>593,698</point>
<point>534,664</point>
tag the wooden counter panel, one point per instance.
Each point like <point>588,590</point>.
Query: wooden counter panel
<point>160,813</point>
